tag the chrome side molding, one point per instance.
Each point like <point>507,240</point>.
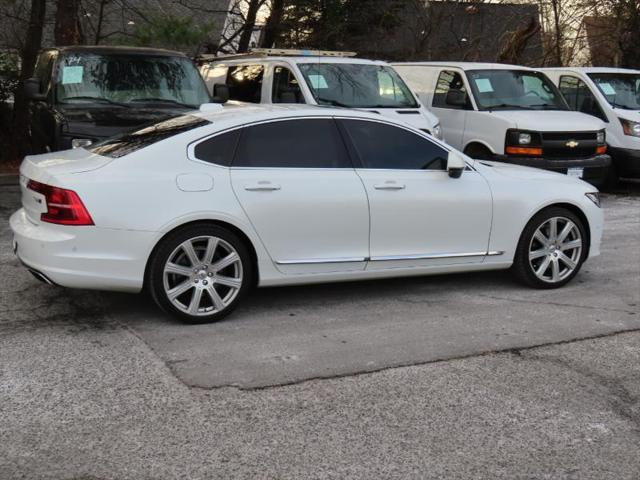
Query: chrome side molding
<point>386,258</point>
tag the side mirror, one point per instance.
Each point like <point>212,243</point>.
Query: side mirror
<point>220,93</point>
<point>456,98</point>
<point>455,164</point>
<point>31,89</point>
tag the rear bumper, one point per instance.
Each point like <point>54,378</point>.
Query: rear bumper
<point>627,161</point>
<point>82,257</point>
<point>595,168</point>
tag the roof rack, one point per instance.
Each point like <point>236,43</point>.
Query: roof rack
<point>274,52</point>
<point>300,53</point>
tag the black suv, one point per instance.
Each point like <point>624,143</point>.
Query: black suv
<point>81,94</point>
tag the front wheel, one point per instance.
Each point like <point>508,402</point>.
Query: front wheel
<point>551,249</point>
<point>200,273</point>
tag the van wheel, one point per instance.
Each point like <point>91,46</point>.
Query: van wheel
<point>200,273</point>
<point>478,152</point>
<point>551,250</point>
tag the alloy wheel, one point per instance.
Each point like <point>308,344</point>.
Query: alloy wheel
<point>203,275</point>
<point>555,249</point>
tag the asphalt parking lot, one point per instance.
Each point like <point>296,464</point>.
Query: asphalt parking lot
<point>464,376</point>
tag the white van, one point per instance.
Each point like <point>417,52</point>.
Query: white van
<point>612,95</point>
<point>511,114</point>
<point>318,78</point>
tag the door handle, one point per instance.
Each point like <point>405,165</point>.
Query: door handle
<point>261,187</point>
<point>389,186</point>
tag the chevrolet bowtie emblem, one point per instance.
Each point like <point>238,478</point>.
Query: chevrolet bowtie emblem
<point>572,144</point>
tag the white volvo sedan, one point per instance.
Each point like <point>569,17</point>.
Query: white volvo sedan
<point>200,208</point>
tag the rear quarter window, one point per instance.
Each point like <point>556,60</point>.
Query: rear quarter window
<point>130,142</point>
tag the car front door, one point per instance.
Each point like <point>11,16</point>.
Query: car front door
<point>297,185</point>
<point>419,215</point>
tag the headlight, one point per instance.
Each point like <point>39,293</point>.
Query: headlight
<point>521,143</point>
<point>80,142</point>
<point>601,137</point>
<point>630,128</point>
<point>594,197</point>
<point>437,131</point>
<point>524,138</point>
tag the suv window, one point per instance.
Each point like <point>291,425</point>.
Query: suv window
<point>245,83</point>
<point>219,149</point>
<point>310,143</point>
<point>386,146</point>
<point>285,87</point>
<point>580,97</point>
<point>450,91</point>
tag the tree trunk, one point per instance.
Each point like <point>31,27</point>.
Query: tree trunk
<point>67,30</point>
<point>249,24</point>
<point>558,32</point>
<point>28,57</point>
<point>272,27</point>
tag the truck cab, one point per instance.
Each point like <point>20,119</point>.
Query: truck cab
<point>81,94</point>
<point>613,96</point>
<point>337,79</point>
<point>511,114</point>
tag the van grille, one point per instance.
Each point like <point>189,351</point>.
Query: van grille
<point>561,144</point>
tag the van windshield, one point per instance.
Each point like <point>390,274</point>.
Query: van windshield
<point>354,85</point>
<point>129,80</point>
<point>514,90</point>
<point>622,90</point>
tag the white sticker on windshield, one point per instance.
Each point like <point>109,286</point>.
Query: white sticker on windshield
<point>72,75</point>
<point>484,85</point>
<point>317,81</point>
<point>607,89</point>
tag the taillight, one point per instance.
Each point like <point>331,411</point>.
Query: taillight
<point>64,207</point>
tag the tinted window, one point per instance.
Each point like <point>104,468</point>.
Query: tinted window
<point>219,149</point>
<point>450,91</point>
<point>129,142</point>
<point>245,83</point>
<point>622,90</point>
<point>285,87</point>
<point>579,96</point>
<point>292,143</point>
<point>385,146</point>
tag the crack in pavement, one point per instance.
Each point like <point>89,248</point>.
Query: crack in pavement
<point>557,304</point>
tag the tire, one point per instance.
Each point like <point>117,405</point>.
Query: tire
<point>612,180</point>
<point>478,152</point>
<point>194,284</point>
<point>542,261</point>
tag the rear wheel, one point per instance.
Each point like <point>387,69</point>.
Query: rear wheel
<point>200,273</point>
<point>551,249</point>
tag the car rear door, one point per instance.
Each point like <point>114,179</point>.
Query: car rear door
<point>419,215</point>
<point>296,183</point>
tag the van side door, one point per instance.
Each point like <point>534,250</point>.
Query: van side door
<point>580,97</point>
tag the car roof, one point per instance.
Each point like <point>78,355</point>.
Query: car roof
<point>106,50</point>
<point>464,65</point>
<point>241,114</point>
<point>592,69</point>
<point>295,59</point>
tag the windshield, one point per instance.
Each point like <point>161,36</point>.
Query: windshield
<point>621,90</point>
<point>514,90</point>
<point>128,80</point>
<point>357,85</point>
